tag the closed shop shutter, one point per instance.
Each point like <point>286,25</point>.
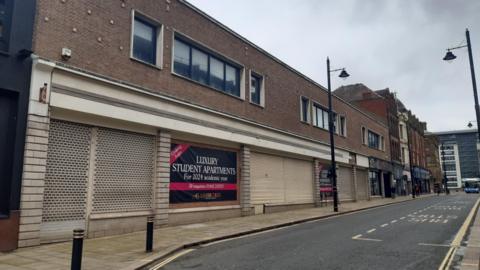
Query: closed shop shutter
<point>267,185</point>
<point>66,177</point>
<point>123,171</point>
<point>362,181</point>
<point>298,176</point>
<point>345,183</point>
<point>123,165</point>
<point>277,179</point>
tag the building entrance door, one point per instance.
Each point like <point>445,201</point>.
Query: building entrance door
<point>387,185</point>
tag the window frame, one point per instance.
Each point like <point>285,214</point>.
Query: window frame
<point>381,139</point>
<point>192,43</point>
<point>253,74</point>
<point>308,110</point>
<point>341,125</point>
<point>158,38</point>
<point>316,105</point>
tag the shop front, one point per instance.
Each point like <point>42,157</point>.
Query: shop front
<point>380,177</point>
<point>421,180</point>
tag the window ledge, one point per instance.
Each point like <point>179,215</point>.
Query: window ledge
<point>146,63</point>
<point>305,122</point>
<point>5,53</point>
<point>207,86</point>
<point>257,105</point>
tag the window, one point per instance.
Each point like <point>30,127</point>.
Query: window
<point>364,133</point>
<point>403,155</point>
<point>256,89</point>
<point>342,128</point>
<point>321,117</point>
<point>375,188</point>
<point>205,68</point>
<point>450,167</point>
<point>374,140</point>
<point>5,20</point>
<point>305,109</point>
<point>401,131</point>
<point>144,41</point>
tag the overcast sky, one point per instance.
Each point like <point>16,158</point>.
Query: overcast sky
<point>397,44</point>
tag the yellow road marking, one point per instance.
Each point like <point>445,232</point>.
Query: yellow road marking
<point>170,259</point>
<point>458,238</point>
<point>433,245</point>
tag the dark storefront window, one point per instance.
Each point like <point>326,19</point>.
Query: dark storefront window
<point>374,183</point>
<point>5,21</point>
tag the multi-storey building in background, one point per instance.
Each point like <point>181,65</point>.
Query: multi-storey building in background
<point>404,148</point>
<point>432,155</point>
<point>461,156</point>
<point>381,104</point>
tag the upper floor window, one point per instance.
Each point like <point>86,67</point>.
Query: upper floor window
<point>321,117</point>
<point>375,140</point>
<point>364,135</point>
<point>203,67</point>
<point>400,127</point>
<point>146,40</point>
<point>5,21</point>
<point>305,109</point>
<point>342,127</point>
<point>256,89</point>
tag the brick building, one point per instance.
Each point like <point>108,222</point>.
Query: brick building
<point>421,177</point>
<point>432,155</point>
<point>155,108</point>
<point>383,105</point>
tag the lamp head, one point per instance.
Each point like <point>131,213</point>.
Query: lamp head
<point>469,125</point>
<point>344,74</point>
<point>449,56</point>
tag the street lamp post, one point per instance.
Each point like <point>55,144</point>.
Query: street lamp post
<point>450,56</point>
<point>333,169</point>
<point>444,172</point>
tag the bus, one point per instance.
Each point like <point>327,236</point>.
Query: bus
<point>471,185</point>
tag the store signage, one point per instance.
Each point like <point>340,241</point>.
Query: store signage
<point>202,174</point>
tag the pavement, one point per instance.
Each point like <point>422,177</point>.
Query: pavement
<point>413,235</point>
<point>128,251</point>
<point>467,256</point>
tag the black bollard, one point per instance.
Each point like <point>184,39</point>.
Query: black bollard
<point>149,243</point>
<point>77,247</point>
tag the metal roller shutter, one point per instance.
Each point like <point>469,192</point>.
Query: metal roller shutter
<point>298,177</point>
<point>362,181</point>
<point>124,168</point>
<point>277,179</point>
<point>345,183</point>
<point>66,178</point>
<point>267,185</point>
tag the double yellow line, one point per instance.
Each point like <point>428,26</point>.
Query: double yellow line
<point>447,261</point>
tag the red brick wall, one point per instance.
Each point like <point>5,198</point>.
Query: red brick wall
<point>102,47</point>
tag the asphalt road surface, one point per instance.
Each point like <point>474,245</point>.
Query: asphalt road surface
<point>410,235</point>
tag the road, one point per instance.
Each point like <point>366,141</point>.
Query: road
<point>410,235</point>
